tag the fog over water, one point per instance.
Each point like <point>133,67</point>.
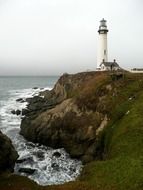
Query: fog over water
<point>40,37</point>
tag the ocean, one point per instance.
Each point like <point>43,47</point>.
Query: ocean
<point>46,168</point>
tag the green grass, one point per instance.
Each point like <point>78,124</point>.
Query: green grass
<point>122,167</point>
<point>116,173</point>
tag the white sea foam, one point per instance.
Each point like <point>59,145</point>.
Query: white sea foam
<point>49,169</point>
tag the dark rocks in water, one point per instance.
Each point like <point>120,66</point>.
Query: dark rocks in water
<point>36,103</point>
<point>16,112</point>
<point>28,100</point>
<point>34,99</point>
<point>47,94</point>
<point>13,111</point>
<point>25,111</point>
<point>8,154</point>
<point>21,100</point>
<point>73,170</point>
<point>39,154</point>
<point>55,166</point>
<point>27,160</point>
<point>20,161</point>
<point>56,154</point>
<point>27,170</point>
<point>35,88</point>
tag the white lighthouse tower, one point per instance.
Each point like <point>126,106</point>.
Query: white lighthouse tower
<point>102,46</point>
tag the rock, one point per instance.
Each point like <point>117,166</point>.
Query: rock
<point>25,111</point>
<point>28,100</point>
<point>20,161</point>
<point>27,160</point>
<point>39,154</point>
<point>21,100</point>
<point>35,88</point>
<point>46,93</point>
<point>56,154</point>
<point>62,126</point>
<point>73,170</point>
<point>61,120</point>
<point>27,170</point>
<point>13,112</point>
<point>17,112</point>
<point>55,166</point>
<point>36,103</point>
<point>8,155</point>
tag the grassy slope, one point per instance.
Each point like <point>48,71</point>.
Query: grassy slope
<point>122,167</point>
<point>121,142</point>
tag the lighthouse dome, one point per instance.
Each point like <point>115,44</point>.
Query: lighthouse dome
<point>103,26</point>
<point>103,23</point>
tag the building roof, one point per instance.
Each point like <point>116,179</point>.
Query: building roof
<point>137,69</point>
<point>109,64</point>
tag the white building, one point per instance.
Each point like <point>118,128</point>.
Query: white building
<point>136,70</point>
<point>109,66</point>
<point>102,56</point>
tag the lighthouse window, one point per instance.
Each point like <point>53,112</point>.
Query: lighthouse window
<point>104,52</point>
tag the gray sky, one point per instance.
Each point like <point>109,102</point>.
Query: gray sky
<point>50,37</point>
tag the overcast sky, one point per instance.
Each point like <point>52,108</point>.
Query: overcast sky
<point>51,37</point>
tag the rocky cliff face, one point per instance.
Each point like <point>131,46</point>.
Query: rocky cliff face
<point>71,115</point>
<point>8,155</point>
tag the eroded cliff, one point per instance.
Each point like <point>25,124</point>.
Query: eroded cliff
<point>73,114</point>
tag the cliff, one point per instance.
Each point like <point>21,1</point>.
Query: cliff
<point>96,117</point>
<point>70,117</point>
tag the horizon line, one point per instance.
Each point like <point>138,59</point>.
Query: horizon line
<point>29,75</point>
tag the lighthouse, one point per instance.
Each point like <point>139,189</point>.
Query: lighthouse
<point>102,44</point>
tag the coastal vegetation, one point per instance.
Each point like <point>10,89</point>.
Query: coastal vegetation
<point>100,115</point>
